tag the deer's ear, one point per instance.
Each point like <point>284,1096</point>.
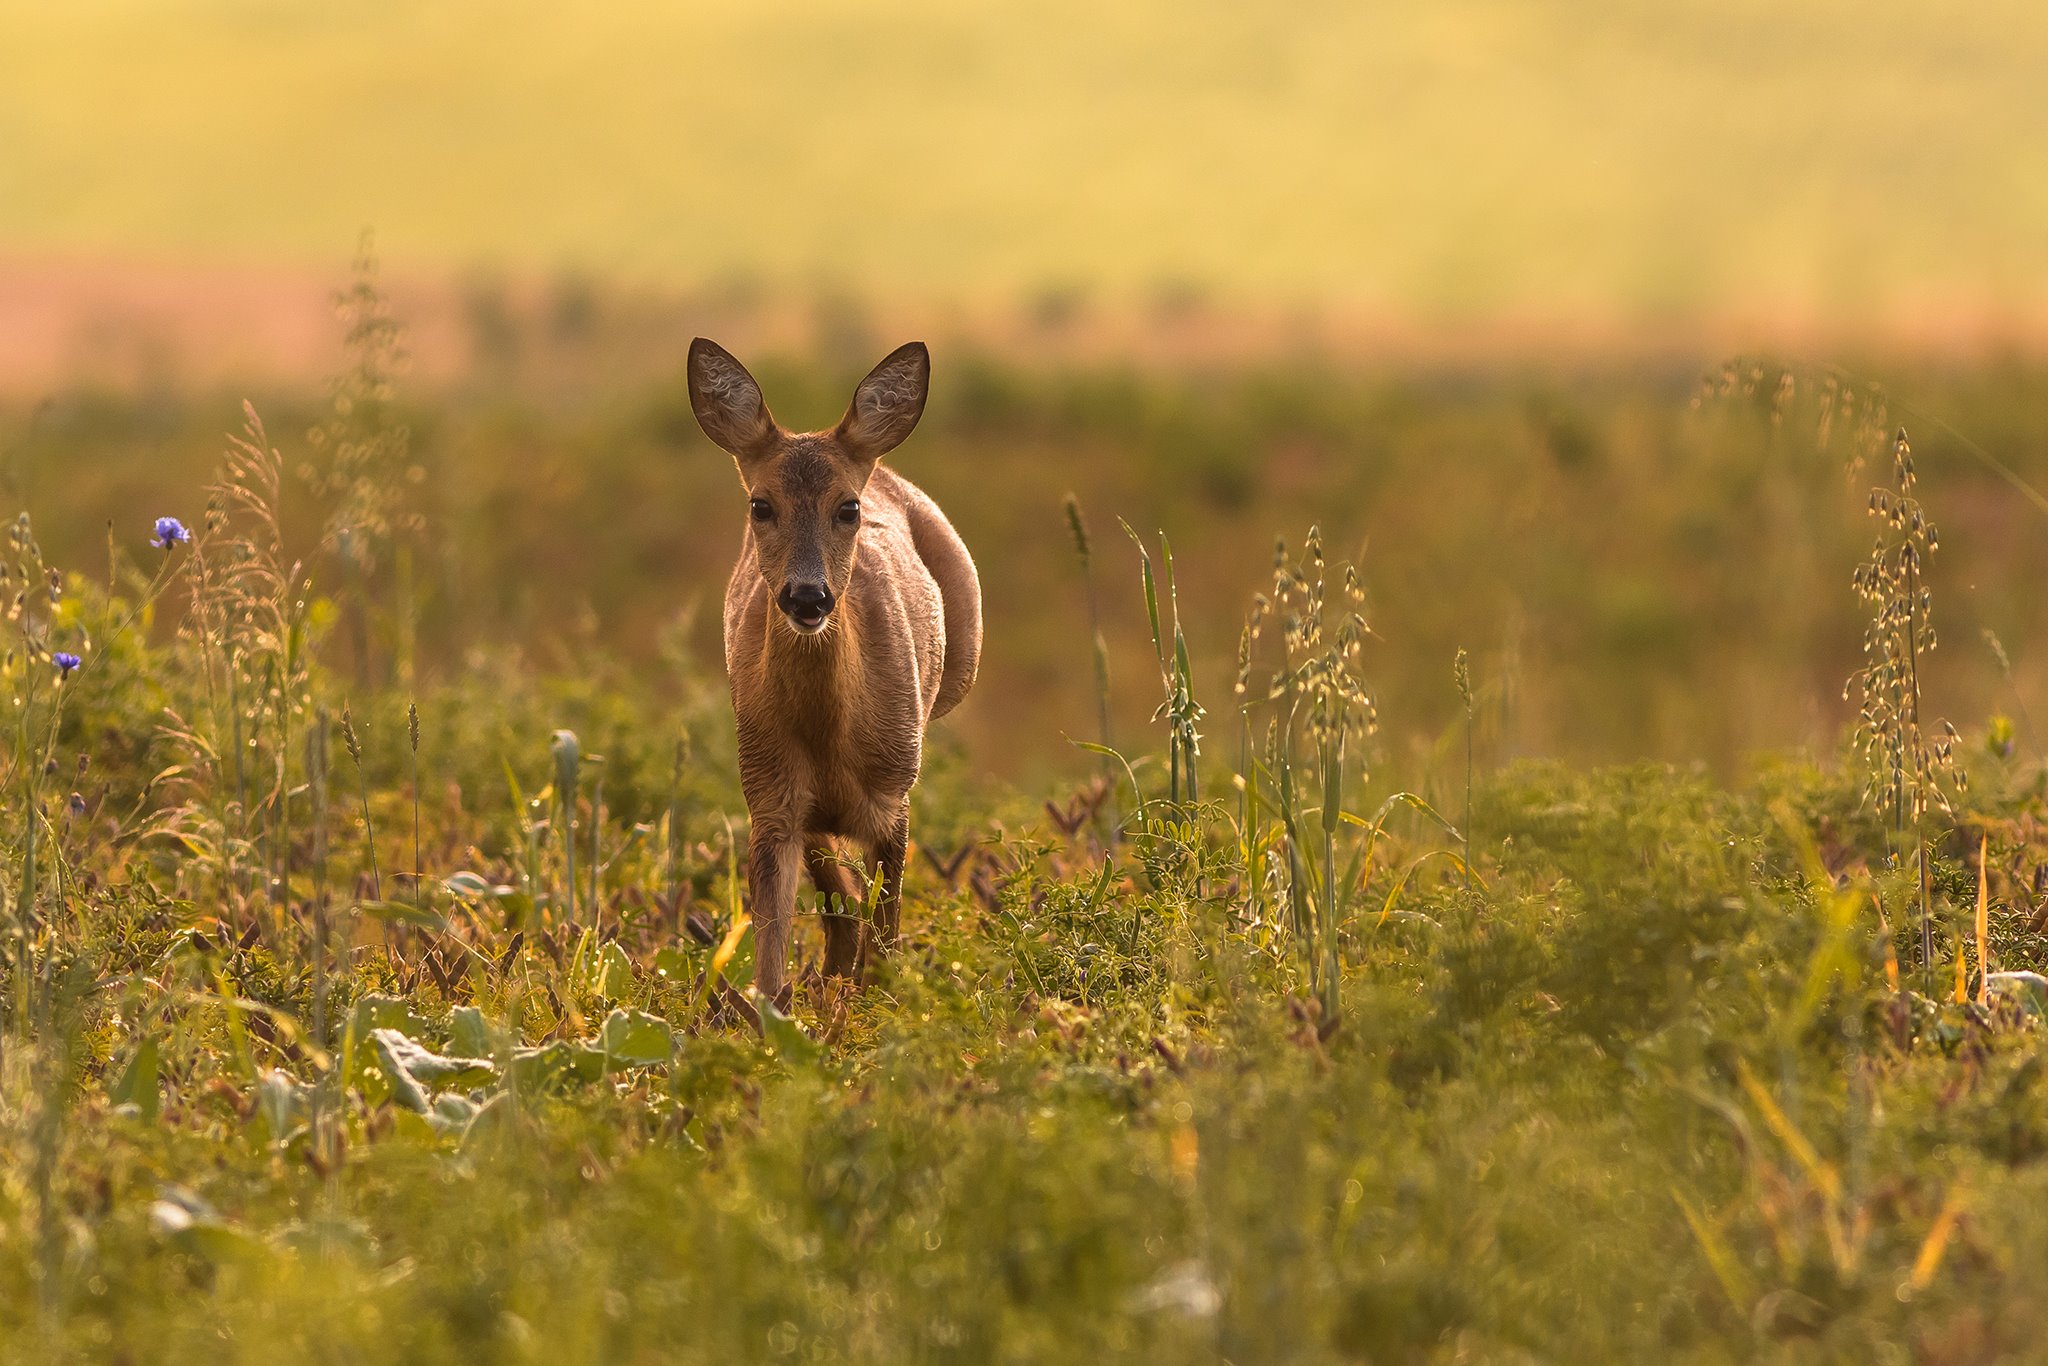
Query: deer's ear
<point>728,402</point>
<point>887,404</point>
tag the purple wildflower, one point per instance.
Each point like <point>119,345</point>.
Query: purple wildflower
<point>65,662</point>
<point>169,532</point>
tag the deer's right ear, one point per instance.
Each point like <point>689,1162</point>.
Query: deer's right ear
<point>728,402</point>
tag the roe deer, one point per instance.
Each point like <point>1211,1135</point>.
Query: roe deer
<point>852,619</point>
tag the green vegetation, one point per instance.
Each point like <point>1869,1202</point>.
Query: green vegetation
<point>374,950</point>
<point>1632,576</point>
<point>1084,1110</point>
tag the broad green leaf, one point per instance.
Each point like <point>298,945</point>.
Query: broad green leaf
<point>402,913</point>
<point>190,1224</point>
<point>674,965</point>
<point>281,1105</point>
<point>470,1034</point>
<point>740,966</point>
<point>633,1038</point>
<point>406,1093</point>
<point>490,1116</point>
<point>412,1126</point>
<point>474,886</point>
<point>137,1085</point>
<point>614,973</point>
<point>452,1114</point>
<point>556,1064</point>
<point>787,1037</point>
<point>433,1069</point>
<point>517,907</point>
<point>2030,989</point>
<point>413,1071</point>
<point>376,1011</point>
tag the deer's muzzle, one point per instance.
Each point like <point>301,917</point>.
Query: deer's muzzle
<point>806,605</point>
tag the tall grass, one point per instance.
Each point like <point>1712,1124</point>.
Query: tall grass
<point>1178,708</point>
<point>360,466</point>
<point>1909,770</point>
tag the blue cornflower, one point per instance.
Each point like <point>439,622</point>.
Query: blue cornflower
<point>65,662</point>
<point>169,532</point>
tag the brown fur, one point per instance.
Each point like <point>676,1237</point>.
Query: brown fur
<point>831,723</point>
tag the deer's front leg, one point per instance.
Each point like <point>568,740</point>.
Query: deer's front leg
<point>774,854</point>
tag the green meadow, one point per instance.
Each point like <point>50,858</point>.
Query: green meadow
<point>376,953</point>
<point>1486,831</point>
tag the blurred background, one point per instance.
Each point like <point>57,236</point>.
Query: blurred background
<point>1445,280</point>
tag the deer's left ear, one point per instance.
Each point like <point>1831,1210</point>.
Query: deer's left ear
<point>887,404</point>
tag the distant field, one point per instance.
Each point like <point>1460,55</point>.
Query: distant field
<point>1470,158</point>
<point>1633,577</point>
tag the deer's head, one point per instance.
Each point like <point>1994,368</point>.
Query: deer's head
<point>804,488</point>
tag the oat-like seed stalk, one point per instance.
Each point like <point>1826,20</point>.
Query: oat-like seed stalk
<point>412,732</point>
<point>355,755</point>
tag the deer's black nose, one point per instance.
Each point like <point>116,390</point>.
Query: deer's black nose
<point>807,604</point>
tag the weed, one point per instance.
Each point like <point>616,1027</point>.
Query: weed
<point>1907,770</point>
<point>1077,527</point>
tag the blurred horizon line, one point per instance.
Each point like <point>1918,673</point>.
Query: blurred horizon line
<point>81,320</point>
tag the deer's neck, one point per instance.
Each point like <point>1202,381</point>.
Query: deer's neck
<point>817,678</point>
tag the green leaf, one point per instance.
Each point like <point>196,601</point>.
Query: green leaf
<point>517,907</point>
<point>191,1225</point>
<point>1151,594</point>
<point>413,1071</point>
<point>431,1068</point>
<point>490,1116</point>
<point>415,1127</point>
<point>470,1034</point>
<point>2029,988</point>
<point>633,1038</point>
<point>674,965</point>
<point>281,1105</point>
<point>406,1093</point>
<point>475,887</point>
<point>614,973</point>
<point>556,1064</point>
<point>452,1115</point>
<point>138,1082</point>
<point>1407,799</point>
<point>401,912</point>
<point>1129,772</point>
<point>376,1011</point>
<point>787,1037</point>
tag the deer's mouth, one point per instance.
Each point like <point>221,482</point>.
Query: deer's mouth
<point>806,606</point>
<point>807,620</point>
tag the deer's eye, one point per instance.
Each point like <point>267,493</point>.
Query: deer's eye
<point>761,510</point>
<point>849,512</point>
